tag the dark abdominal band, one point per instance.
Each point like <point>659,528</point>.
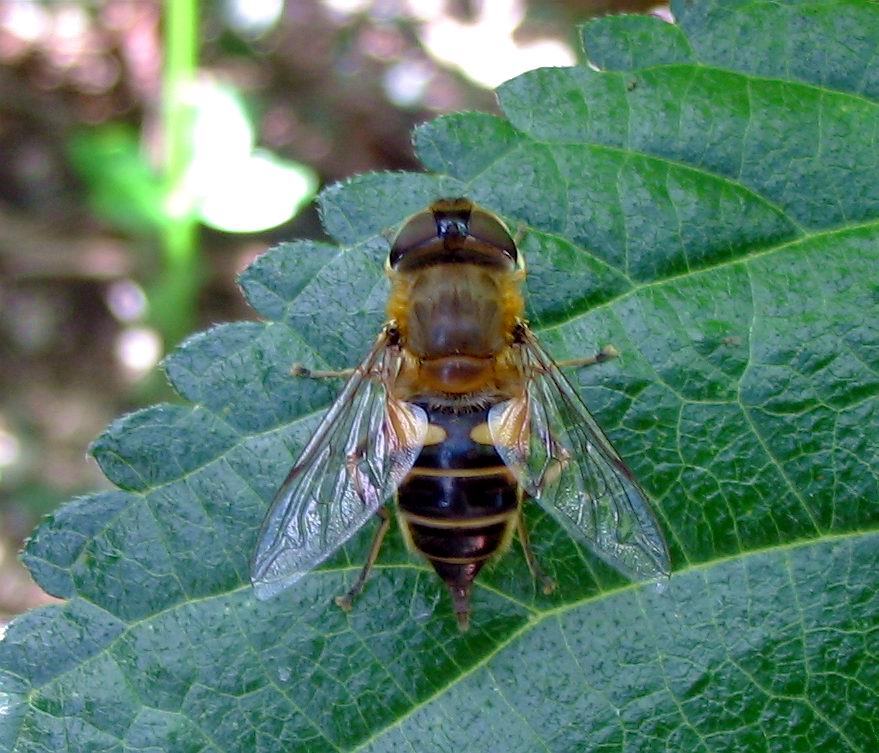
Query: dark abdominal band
<point>459,499</point>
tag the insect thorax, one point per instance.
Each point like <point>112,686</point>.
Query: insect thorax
<point>456,320</point>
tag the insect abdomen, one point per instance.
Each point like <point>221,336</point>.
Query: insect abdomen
<point>459,502</point>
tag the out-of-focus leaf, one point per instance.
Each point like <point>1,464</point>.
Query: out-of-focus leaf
<point>256,193</point>
<point>122,187</point>
<point>230,185</point>
<point>713,215</point>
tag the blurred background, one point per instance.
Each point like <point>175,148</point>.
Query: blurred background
<point>149,150</point>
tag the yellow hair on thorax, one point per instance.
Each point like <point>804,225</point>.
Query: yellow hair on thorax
<point>399,301</point>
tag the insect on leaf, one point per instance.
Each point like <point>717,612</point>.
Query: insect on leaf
<point>708,203</point>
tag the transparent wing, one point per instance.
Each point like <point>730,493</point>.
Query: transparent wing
<point>361,451</point>
<point>562,459</point>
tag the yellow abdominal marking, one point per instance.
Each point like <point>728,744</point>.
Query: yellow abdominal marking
<point>481,434</point>
<point>496,470</point>
<point>485,520</point>
<point>435,435</point>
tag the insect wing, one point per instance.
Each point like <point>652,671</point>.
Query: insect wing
<point>562,458</point>
<point>361,451</point>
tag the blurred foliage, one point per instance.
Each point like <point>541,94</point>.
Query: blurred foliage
<point>122,189</point>
<point>334,86</point>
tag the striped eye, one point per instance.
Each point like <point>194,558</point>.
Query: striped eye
<point>489,229</point>
<point>418,230</point>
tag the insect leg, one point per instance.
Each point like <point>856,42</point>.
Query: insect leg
<point>352,465</point>
<point>546,582</point>
<point>301,371</point>
<point>461,604</point>
<point>605,354</point>
<point>346,601</point>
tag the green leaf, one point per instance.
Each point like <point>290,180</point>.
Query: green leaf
<point>709,204</point>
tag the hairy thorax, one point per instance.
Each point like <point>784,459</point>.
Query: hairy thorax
<point>455,321</point>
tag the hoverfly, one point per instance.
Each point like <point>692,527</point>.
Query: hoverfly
<point>459,410</point>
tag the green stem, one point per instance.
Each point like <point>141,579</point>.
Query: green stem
<point>174,296</point>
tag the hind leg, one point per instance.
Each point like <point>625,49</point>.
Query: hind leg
<point>547,583</point>
<point>346,600</point>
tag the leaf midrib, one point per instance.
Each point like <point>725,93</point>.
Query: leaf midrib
<point>543,615</point>
<point>698,63</point>
<point>537,615</point>
<point>727,263</point>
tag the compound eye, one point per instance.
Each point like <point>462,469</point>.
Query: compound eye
<point>489,229</point>
<point>417,230</point>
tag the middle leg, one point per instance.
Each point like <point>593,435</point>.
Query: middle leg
<point>605,354</point>
<point>298,370</point>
